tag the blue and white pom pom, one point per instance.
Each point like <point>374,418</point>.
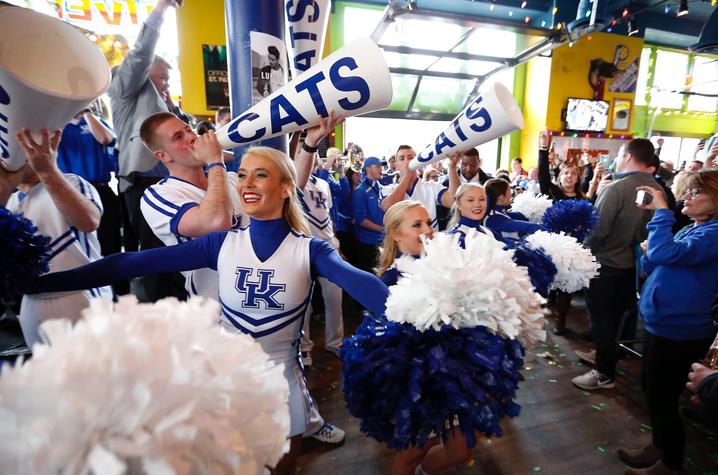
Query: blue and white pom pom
<point>465,288</point>
<point>576,218</point>
<point>575,264</point>
<point>539,265</point>
<point>25,254</point>
<point>449,347</point>
<point>531,205</point>
<point>144,388</point>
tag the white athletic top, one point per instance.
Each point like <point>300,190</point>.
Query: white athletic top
<point>427,193</point>
<point>316,199</point>
<point>464,229</point>
<point>276,290</point>
<point>69,247</point>
<point>163,205</point>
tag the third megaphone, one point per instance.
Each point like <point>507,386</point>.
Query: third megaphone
<point>492,114</point>
<point>49,72</point>
<point>306,27</point>
<point>352,80</point>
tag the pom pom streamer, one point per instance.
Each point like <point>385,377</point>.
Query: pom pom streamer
<point>539,265</point>
<point>531,205</point>
<point>575,264</point>
<point>405,384</point>
<point>145,388</point>
<point>450,346</point>
<point>25,254</point>
<point>576,218</point>
<point>464,288</point>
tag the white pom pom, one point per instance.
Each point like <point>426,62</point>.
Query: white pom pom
<point>532,206</point>
<point>575,264</point>
<point>465,288</point>
<point>144,389</point>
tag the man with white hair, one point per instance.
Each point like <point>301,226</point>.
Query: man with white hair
<point>140,88</point>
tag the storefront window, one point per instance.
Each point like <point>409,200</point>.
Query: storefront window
<point>705,80</point>
<point>669,76</point>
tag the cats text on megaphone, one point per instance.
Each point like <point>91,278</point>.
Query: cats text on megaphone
<point>351,81</point>
<point>492,114</point>
<point>477,118</point>
<point>283,113</point>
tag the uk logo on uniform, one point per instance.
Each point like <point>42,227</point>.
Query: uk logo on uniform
<point>262,290</point>
<point>319,199</point>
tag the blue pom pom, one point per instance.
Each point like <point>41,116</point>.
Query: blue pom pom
<point>540,266</point>
<point>404,384</point>
<point>576,218</point>
<point>25,255</point>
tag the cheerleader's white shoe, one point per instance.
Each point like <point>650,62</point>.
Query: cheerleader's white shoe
<point>329,434</point>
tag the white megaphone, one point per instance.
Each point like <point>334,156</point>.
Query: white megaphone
<point>306,27</point>
<point>353,80</point>
<point>49,72</point>
<point>492,114</point>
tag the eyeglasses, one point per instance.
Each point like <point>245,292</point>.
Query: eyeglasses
<point>692,192</point>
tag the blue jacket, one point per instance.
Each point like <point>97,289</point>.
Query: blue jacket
<point>682,279</point>
<point>81,154</point>
<point>341,198</point>
<point>509,226</point>
<point>365,205</point>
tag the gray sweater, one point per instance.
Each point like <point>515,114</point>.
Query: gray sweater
<point>133,98</point>
<point>621,223</point>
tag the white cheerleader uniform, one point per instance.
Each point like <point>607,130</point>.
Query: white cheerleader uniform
<point>268,300</point>
<point>316,200</point>
<point>69,248</point>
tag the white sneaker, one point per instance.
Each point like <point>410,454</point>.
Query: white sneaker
<point>587,356</point>
<point>329,434</point>
<point>419,470</point>
<point>593,380</point>
<point>306,359</point>
<point>333,350</point>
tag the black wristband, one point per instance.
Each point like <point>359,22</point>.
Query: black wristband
<point>308,148</point>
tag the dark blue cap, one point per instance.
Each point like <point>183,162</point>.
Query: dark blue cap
<point>371,161</point>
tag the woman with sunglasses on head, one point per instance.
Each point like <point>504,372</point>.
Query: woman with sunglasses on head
<point>567,187</point>
<point>265,273</point>
<point>675,307</point>
<point>407,223</point>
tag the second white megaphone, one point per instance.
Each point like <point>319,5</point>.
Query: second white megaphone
<point>492,114</point>
<point>49,72</point>
<point>352,80</point>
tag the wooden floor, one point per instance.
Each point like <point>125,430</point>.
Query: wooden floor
<point>561,430</point>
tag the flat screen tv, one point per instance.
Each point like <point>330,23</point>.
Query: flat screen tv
<point>585,115</point>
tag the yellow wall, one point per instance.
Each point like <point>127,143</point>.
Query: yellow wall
<point>569,74</point>
<point>198,23</point>
<point>535,108</point>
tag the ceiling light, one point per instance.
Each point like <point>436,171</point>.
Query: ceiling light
<point>632,27</point>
